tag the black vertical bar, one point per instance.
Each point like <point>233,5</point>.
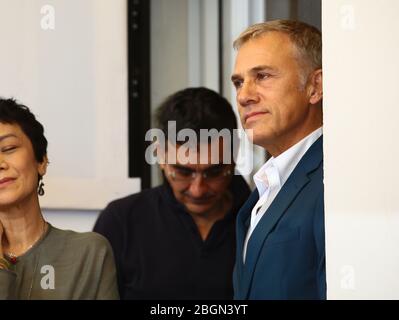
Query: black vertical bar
<point>221,69</point>
<point>139,88</point>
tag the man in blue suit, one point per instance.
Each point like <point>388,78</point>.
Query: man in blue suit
<point>280,229</point>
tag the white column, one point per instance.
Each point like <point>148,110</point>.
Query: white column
<point>361,149</point>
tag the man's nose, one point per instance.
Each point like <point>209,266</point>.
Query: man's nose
<point>247,94</point>
<point>198,186</point>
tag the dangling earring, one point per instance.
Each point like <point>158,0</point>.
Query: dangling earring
<point>40,190</point>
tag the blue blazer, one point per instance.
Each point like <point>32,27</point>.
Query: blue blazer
<point>286,251</point>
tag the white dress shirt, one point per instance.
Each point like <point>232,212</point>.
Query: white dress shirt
<point>272,175</point>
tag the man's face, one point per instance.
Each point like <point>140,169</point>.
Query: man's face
<point>200,195</point>
<point>272,99</point>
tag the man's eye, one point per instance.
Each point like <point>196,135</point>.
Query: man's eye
<point>237,83</point>
<point>184,172</point>
<point>214,172</point>
<point>262,76</point>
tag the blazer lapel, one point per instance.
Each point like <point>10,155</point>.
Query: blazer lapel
<point>243,221</point>
<point>295,183</point>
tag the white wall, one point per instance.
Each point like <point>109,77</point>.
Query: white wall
<point>361,67</point>
<point>80,221</point>
<point>67,61</point>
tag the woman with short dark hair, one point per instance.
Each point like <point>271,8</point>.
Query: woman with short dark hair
<point>37,260</point>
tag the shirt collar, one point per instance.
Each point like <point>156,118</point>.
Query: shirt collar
<point>276,171</point>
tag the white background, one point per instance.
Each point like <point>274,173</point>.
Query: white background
<point>361,149</point>
<point>74,78</point>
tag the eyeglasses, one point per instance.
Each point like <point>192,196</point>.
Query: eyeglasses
<point>184,174</point>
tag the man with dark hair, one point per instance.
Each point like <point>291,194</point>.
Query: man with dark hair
<point>177,241</point>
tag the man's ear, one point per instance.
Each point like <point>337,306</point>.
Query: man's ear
<point>316,87</point>
<point>42,166</point>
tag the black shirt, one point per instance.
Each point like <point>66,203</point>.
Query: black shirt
<point>159,251</point>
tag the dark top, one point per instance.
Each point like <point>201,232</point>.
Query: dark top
<point>159,251</point>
